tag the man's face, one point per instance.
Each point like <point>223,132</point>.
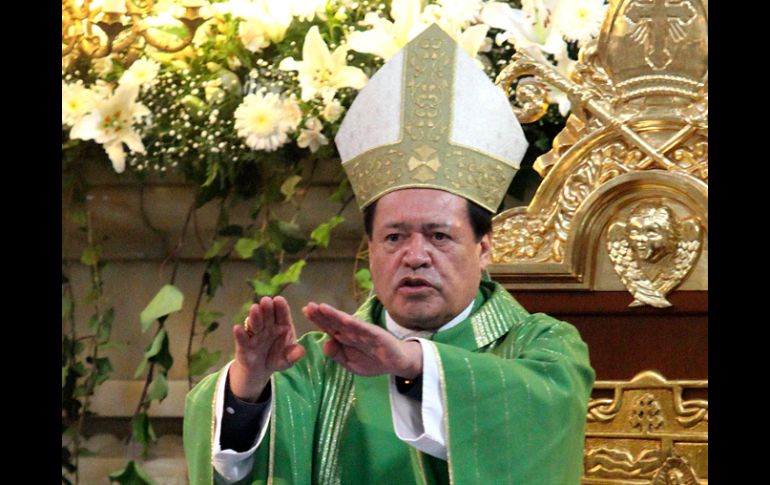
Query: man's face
<point>425,262</point>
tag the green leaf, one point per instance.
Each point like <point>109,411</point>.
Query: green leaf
<point>339,194</point>
<point>289,186</point>
<point>104,330</point>
<point>292,240</point>
<point>206,317</point>
<point>364,279</point>
<point>321,234</point>
<point>83,451</point>
<point>291,275</point>
<point>202,360</point>
<point>211,328</point>
<point>90,256</point>
<point>80,368</point>
<point>168,300</point>
<point>163,357</point>
<point>141,428</point>
<point>156,344</point>
<point>264,289</point>
<point>213,278</point>
<point>132,474</point>
<point>66,306</point>
<point>140,368</point>
<point>158,388</point>
<point>154,349</point>
<point>93,322</point>
<point>214,249</point>
<point>245,247</point>
<point>112,345</point>
<point>64,373</point>
<point>212,170</point>
<point>103,368</point>
<point>78,215</point>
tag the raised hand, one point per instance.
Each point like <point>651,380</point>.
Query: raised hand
<point>265,343</point>
<point>363,348</point>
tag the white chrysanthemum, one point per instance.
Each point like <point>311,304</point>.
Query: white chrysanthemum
<point>332,111</point>
<point>260,121</point>
<point>76,101</point>
<point>580,20</point>
<point>311,137</point>
<point>142,73</point>
<point>111,122</point>
<point>251,33</point>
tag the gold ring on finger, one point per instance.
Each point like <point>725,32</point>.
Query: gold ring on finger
<point>247,327</point>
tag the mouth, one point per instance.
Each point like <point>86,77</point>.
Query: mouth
<point>414,285</point>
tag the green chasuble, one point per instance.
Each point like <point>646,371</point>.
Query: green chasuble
<point>515,387</point>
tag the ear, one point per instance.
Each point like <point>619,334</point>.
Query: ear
<point>486,251</point>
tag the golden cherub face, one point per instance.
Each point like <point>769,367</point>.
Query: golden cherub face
<point>651,231</point>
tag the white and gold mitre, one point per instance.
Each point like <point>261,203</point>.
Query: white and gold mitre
<point>431,118</point>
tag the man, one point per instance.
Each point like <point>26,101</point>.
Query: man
<point>440,376</point>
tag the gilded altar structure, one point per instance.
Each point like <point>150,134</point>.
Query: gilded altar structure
<point>623,208</point>
<point>624,199</point>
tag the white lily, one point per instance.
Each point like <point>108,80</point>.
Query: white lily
<point>312,137</point>
<point>322,72</point>
<point>532,27</point>
<point>386,37</point>
<point>111,122</point>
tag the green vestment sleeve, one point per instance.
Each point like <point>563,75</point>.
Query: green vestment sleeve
<point>516,411</point>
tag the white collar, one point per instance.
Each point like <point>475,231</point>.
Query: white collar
<point>403,332</point>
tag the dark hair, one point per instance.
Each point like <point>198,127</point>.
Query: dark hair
<point>479,217</point>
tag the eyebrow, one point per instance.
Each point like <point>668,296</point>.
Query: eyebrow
<point>430,226</point>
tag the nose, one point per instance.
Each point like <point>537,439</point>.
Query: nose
<point>416,252</point>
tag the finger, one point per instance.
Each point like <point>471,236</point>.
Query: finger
<point>268,313</point>
<point>282,313</point>
<point>256,322</point>
<point>333,350</point>
<point>355,331</point>
<point>294,353</point>
<point>242,339</point>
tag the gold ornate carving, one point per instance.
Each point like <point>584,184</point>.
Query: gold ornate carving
<point>652,251</point>
<point>675,471</point>
<point>647,433</point>
<point>638,130</point>
<point>646,414</point>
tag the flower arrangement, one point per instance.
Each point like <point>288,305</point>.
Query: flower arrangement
<point>269,76</point>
